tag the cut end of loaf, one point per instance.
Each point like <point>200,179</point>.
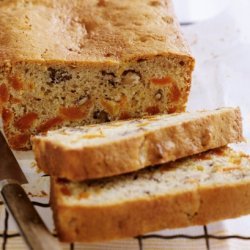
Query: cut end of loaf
<point>45,97</point>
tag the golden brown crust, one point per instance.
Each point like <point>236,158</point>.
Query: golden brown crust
<point>184,138</point>
<point>187,208</point>
<point>87,32</point>
<point>90,35</point>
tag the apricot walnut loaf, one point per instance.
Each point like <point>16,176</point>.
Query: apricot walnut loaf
<point>88,61</point>
<point>96,151</point>
<point>197,190</point>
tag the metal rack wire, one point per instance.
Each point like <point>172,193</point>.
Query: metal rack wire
<point>141,239</point>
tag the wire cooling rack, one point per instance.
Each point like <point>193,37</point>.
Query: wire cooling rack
<point>5,236</point>
<point>140,241</point>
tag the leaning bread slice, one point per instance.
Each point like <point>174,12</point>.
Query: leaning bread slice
<point>103,150</point>
<point>197,190</point>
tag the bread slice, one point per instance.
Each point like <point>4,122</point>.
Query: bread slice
<point>212,186</point>
<point>119,147</point>
<point>78,62</point>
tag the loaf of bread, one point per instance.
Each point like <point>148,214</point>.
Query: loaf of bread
<point>101,150</point>
<point>197,190</point>
<point>88,61</point>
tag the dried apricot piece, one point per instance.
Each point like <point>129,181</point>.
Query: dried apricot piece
<point>26,121</point>
<point>6,115</point>
<point>16,83</point>
<point>4,93</point>
<point>48,124</point>
<point>162,81</point>
<point>153,110</point>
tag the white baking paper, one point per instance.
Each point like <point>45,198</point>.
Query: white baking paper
<point>221,46</point>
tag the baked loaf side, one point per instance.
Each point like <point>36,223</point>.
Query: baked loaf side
<point>81,62</point>
<point>101,150</point>
<point>194,191</point>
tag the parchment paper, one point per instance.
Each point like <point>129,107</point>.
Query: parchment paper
<point>221,46</point>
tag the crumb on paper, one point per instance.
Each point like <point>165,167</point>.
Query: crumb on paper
<point>38,187</point>
<point>33,164</point>
<point>41,194</point>
<point>44,193</point>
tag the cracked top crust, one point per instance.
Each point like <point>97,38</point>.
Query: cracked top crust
<point>85,31</point>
